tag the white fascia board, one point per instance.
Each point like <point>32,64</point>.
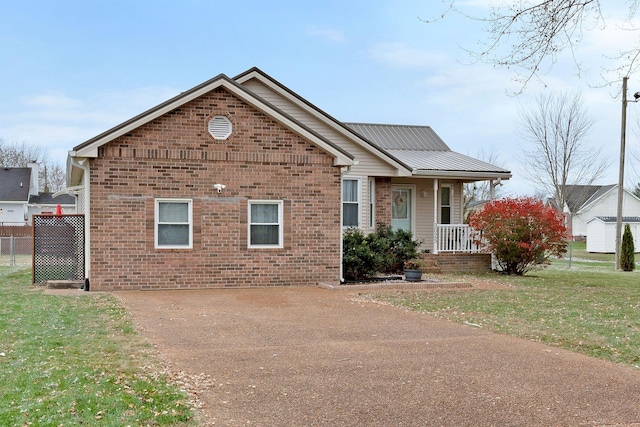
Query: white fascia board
<point>401,170</point>
<point>476,176</point>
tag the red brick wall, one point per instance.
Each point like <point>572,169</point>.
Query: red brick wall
<point>461,262</point>
<point>175,157</point>
<point>383,201</point>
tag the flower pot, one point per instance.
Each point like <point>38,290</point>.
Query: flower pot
<point>413,275</point>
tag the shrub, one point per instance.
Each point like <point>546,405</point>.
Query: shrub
<point>359,261</point>
<point>395,247</point>
<point>384,251</point>
<point>627,256</point>
<point>521,232</point>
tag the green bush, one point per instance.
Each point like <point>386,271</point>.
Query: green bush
<point>627,257</point>
<point>396,247</point>
<point>359,261</point>
<point>384,251</point>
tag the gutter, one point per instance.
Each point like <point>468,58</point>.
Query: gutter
<point>83,164</point>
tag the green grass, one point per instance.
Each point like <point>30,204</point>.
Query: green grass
<point>578,250</point>
<point>587,309</point>
<point>77,360</point>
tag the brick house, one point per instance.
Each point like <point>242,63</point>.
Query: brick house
<point>241,182</point>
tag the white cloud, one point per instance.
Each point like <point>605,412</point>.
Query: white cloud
<point>58,122</point>
<point>332,35</point>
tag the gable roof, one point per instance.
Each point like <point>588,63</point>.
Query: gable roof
<point>49,199</point>
<point>579,196</point>
<point>15,184</point>
<point>400,137</point>
<point>425,152</point>
<point>90,147</point>
<point>333,123</point>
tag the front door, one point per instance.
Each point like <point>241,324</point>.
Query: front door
<point>401,208</point>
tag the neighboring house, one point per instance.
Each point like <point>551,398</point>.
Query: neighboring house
<point>241,182</point>
<point>15,189</point>
<point>46,203</point>
<point>601,232</point>
<point>20,198</point>
<point>585,202</point>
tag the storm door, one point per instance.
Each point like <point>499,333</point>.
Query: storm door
<point>402,208</point>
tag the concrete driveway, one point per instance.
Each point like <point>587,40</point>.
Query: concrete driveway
<point>313,357</point>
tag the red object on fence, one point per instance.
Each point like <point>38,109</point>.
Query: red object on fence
<point>58,210</point>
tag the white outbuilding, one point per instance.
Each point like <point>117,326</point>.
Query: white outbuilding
<point>601,233</point>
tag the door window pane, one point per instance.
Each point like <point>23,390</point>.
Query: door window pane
<point>400,204</point>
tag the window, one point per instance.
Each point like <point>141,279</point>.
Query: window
<point>350,203</point>
<point>265,224</point>
<point>445,205</point>
<point>372,203</point>
<point>220,127</point>
<point>173,224</point>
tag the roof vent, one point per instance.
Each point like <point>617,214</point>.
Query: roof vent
<point>220,127</point>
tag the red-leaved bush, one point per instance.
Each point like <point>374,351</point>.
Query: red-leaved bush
<point>521,232</point>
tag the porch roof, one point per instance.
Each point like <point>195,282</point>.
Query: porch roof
<point>423,162</point>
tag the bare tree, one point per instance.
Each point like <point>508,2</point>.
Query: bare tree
<point>56,178</point>
<point>556,127</point>
<point>481,190</point>
<point>18,155</point>
<point>527,36</point>
<point>14,155</point>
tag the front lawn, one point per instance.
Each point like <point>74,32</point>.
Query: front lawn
<point>589,309</point>
<point>77,360</point>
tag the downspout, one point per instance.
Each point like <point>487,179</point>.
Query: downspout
<point>84,165</point>
<point>435,215</point>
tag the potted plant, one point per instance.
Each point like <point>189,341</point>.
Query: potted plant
<point>413,270</point>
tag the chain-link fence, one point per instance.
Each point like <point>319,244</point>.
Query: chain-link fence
<point>16,251</point>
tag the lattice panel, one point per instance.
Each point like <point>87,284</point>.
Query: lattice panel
<point>58,247</point>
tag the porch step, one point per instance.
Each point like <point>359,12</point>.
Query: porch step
<point>430,264</point>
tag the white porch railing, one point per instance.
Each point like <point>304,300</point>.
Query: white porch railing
<point>455,238</point>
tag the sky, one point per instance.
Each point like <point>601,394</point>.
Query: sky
<point>70,70</point>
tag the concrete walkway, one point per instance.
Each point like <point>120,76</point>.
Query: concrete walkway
<point>312,357</point>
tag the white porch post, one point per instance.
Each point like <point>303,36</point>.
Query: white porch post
<point>435,216</point>
<point>493,184</point>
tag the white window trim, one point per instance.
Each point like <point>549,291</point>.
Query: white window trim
<point>359,201</point>
<point>280,204</point>
<point>157,222</point>
<point>372,203</point>
<point>450,205</point>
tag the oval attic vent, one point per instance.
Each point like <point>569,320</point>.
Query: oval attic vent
<point>220,127</point>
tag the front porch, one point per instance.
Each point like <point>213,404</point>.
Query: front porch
<point>455,251</point>
<point>455,238</point>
